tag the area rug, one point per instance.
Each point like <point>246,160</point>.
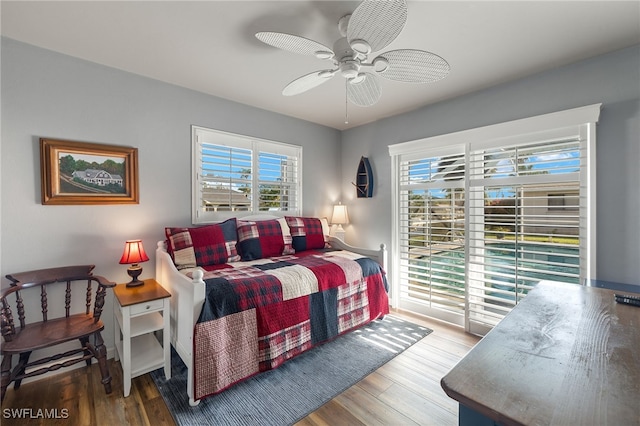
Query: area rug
<point>298,387</point>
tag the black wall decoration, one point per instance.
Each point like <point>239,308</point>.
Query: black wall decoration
<point>364,179</point>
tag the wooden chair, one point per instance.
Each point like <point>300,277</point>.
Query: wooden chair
<point>21,339</point>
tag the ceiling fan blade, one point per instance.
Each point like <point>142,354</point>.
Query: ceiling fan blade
<point>365,93</point>
<point>377,23</point>
<point>307,82</point>
<point>413,66</point>
<point>295,44</point>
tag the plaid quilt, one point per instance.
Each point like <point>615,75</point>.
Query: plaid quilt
<point>258,314</point>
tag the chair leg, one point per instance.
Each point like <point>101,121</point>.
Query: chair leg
<point>6,374</point>
<point>20,368</point>
<point>100,352</point>
<point>84,341</point>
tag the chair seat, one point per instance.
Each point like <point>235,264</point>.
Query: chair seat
<point>43,334</point>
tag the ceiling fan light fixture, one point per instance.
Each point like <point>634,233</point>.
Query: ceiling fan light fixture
<point>380,64</point>
<point>324,54</point>
<point>360,46</point>
<point>349,69</point>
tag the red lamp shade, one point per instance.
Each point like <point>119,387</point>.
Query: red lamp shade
<point>133,254</point>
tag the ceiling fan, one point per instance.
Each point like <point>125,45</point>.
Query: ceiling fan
<point>370,28</point>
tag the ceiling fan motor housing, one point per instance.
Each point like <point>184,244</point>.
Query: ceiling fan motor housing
<point>346,59</point>
<point>342,50</point>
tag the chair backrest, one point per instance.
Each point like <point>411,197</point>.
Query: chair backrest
<point>72,275</point>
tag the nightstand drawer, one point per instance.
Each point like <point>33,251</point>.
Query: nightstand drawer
<point>151,306</point>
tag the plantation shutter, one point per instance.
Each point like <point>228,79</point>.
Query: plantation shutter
<point>483,215</point>
<point>226,178</point>
<point>432,263</point>
<point>524,222</point>
<point>233,173</point>
<point>278,179</point>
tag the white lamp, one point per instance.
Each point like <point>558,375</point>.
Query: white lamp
<point>339,217</point>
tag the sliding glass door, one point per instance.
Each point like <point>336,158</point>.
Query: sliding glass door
<point>480,223</point>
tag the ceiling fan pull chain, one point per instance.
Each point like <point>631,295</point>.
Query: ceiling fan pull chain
<point>346,103</point>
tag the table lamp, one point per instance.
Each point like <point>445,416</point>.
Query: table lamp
<point>339,217</point>
<point>134,254</point>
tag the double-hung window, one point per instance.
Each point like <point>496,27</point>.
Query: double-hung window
<point>234,173</point>
<point>483,215</point>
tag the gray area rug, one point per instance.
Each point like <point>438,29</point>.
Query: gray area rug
<point>298,387</point>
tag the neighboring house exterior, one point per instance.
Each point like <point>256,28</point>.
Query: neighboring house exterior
<point>546,208</point>
<point>224,199</point>
<point>98,177</point>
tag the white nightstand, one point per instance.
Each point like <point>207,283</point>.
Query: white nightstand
<point>140,312</point>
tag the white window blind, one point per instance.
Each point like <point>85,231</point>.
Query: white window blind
<point>515,239</point>
<point>225,178</point>
<point>277,180</point>
<point>432,232</point>
<point>483,215</point>
<point>234,173</point>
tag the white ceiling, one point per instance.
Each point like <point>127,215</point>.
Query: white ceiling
<point>209,46</point>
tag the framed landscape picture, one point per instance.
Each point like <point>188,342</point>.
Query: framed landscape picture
<point>88,173</point>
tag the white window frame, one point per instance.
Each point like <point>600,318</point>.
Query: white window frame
<point>577,122</point>
<point>256,145</point>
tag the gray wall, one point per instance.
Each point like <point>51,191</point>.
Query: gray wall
<point>46,94</point>
<point>612,79</point>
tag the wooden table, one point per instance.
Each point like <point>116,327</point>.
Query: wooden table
<point>140,312</point>
<point>566,355</point>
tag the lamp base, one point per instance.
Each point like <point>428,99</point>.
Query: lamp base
<point>134,272</point>
<point>339,232</point>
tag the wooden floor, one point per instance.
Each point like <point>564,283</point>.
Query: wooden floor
<point>404,391</point>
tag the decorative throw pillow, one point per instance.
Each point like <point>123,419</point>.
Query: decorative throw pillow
<point>203,245</point>
<point>264,238</point>
<point>307,233</point>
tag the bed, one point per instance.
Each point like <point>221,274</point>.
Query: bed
<point>232,320</point>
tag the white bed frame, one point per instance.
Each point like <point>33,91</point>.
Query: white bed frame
<point>187,297</point>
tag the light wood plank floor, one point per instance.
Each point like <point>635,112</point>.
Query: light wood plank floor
<point>405,391</point>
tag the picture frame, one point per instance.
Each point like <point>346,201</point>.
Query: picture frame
<point>88,173</point>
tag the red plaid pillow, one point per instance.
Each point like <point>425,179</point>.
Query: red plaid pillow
<point>204,245</point>
<point>307,233</point>
<point>263,239</point>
